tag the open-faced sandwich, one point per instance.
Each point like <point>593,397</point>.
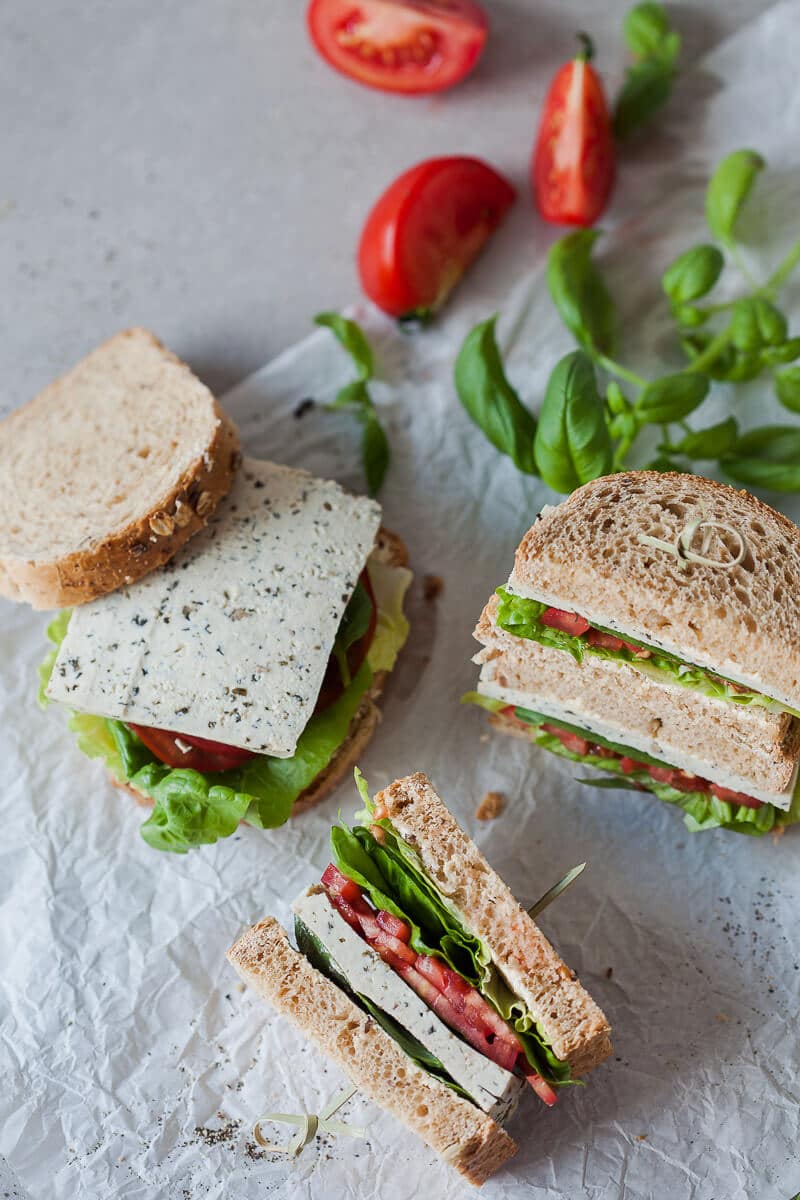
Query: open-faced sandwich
<point>650,629</point>
<point>227,676</point>
<point>422,977</point>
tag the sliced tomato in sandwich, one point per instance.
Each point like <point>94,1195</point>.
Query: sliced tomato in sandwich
<point>195,753</point>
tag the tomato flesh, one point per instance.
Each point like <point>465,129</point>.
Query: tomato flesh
<point>567,622</point>
<point>573,166</point>
<point>454,1001</point>
<point>426,229</point>
<point>194,753</point>
<point>407,46</point>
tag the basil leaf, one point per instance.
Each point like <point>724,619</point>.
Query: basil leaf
<point>375,453</point>
<point>645,27</point>
<point>648,83</point>
<point>491,401</point>
<point>787,388</point>
<point>713,442</point>
<point>768,457</point>
<point>579,292</point>
<point>755,322</point>
<point>729,188</point>
<point>572,442</point>
<point>646,89</point>
<point>692,274</point>
<point>774,356</point>
<point>671,398</point>
<point>351,336</point>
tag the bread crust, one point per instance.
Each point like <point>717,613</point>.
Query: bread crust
<point>391,549</point>
<point>575,1027</point>
<point>467,1138</point>
<point>742,621</point>
<point>129,553</point>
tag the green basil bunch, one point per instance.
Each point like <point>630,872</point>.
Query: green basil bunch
<point>581,435</point>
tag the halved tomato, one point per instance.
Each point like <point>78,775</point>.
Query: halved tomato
<point>573,166</point>
<point>408,46</point>
<point>567,622</point>
<point>426,229</point>
<point>202,754</point>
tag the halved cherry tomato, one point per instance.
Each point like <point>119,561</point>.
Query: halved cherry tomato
<point>426,229</point>
<point>202,755</point>
<point>567,622</point>
<point>572,172</point>
<point>332,683</point>
<point>408,46</point>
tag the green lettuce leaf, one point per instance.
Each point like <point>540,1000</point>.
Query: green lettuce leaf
<point>389,585</point>
<point>392,875</point>
<point>312,948</point>
<point>521,617</point>
<point>192,809</point>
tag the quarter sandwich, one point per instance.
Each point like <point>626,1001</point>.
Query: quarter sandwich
<point>651,628</point>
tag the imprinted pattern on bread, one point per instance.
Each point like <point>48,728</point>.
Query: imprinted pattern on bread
<point>744,622</point>
<point>107,473</point>
<point>750,742</point>
<point>573,1024</point>
<point>466,1137</point>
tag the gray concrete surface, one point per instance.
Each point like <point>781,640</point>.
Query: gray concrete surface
<point>195,167</point>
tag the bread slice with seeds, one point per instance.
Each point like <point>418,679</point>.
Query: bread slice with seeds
<point>467,1138</point>
<point>570,1020</point>
<point>107,472</point>
<point>593,554</point>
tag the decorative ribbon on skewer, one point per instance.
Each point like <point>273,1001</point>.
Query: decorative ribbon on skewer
<point>308,1125</point>
<point>681,544</point>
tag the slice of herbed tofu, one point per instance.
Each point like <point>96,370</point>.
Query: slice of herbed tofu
<point>492,1088</point>
<point>231,639</point>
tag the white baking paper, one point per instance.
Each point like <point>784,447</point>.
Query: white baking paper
<point>134,1065</point>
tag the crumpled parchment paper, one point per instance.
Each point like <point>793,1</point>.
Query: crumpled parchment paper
<point>132,1062</point>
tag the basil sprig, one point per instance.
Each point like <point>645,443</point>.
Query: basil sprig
<point>375,453</point>
<point>648,82</point>
<point>581,436</point>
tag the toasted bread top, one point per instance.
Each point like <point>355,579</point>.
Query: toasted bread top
<point>742,621</point>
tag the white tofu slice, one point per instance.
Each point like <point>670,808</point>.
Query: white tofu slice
<point>492,1088</point>
<point>230,640</point>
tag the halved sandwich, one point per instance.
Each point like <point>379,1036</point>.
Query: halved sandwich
<point>224,676</point>
<point>651,628</point>
<point>422,977</point>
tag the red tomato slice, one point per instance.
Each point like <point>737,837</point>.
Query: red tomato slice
<point>605,641</point>
<point>426,229</point>
<point>539,1085</point>
<point>332,685</point>
<point>397,949</point>
<point>408,46</point>
<point>202,755</point>
<point>570,741</point>
<point>337,884</point>
<point>572,172</point>
<point>734,797</point>
<point>394,926</point>
<point>567,622</point>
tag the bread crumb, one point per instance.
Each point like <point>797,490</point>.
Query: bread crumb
<point>722,1017</point>
<point>432,587</point>
<point>491,806</point>
<point>609,972</point>
<point>641,1137</point>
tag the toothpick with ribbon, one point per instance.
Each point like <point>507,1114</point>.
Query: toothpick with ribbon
<point>309,1125</point>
